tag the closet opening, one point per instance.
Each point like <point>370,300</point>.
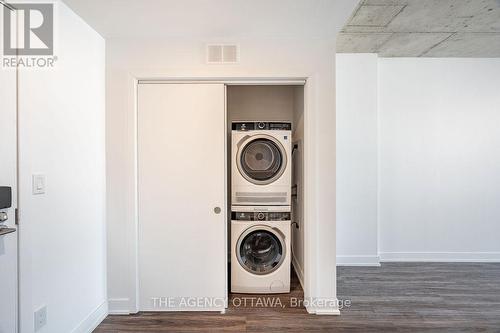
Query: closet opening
<point>265,196</point>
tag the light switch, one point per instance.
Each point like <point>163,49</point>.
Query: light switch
<point>38,184</point>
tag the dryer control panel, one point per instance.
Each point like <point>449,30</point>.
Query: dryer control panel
<point>260,216</point>
<point>261,125</point>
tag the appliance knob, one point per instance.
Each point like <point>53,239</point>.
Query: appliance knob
<point>261,216</point>
<point>261,125</point>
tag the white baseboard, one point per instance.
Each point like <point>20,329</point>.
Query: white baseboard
<point>440,256</point>
<point>189,309</point>
<point>119,306</point>
<point>327,312</point>
<point>298,270</point>
<point>93,319</point>
<point>358,261</point>
<point>312,308</point>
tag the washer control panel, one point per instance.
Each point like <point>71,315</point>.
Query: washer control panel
<point>261,125</point>
<point>260,216</point>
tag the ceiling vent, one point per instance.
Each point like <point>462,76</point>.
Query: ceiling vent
<point>222,54</point>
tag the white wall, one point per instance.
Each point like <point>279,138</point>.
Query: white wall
<point>186,58</point>
<point>8,148</point>
<point>260,57</point>
<point>357,159</point>
<point>62,233</point>
<point>439,159</point>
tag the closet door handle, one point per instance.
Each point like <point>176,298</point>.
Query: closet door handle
<point>217,210</point>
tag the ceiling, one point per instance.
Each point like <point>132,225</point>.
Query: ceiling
<point>423,28</point>
<point>223,19</point>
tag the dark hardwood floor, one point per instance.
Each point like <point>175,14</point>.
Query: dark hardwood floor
<point>397,297</point>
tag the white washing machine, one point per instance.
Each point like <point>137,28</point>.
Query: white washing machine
<point>261,164</point>
<point>260,250</point>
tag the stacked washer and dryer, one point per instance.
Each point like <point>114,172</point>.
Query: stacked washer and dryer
<point>261,177</point>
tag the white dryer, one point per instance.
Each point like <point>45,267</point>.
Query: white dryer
<point>261,164</point>
<point>260,250</point>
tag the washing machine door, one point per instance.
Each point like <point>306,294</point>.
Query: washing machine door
<point>261,159</point>
<point>261,250</point>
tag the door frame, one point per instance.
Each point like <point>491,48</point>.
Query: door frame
<point>15,186</point>
<point>309,282</point>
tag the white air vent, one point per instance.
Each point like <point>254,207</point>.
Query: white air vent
<point>222,54</point>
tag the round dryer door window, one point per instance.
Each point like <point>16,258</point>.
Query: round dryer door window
<point>260,250</point>
<point>262,160</point>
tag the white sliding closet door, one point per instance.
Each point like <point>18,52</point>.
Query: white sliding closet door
<point>181,188</point>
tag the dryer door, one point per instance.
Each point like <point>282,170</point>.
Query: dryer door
<point>261,250</point>
<point>261,159</point>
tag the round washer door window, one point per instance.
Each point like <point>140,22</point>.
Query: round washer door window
<point>262,160</point>
<point>260,250</point>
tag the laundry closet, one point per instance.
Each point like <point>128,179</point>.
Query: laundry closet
<point>265,137</point>
<point>192,233</point>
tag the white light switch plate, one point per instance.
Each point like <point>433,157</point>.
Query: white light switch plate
<point>39,184</point>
